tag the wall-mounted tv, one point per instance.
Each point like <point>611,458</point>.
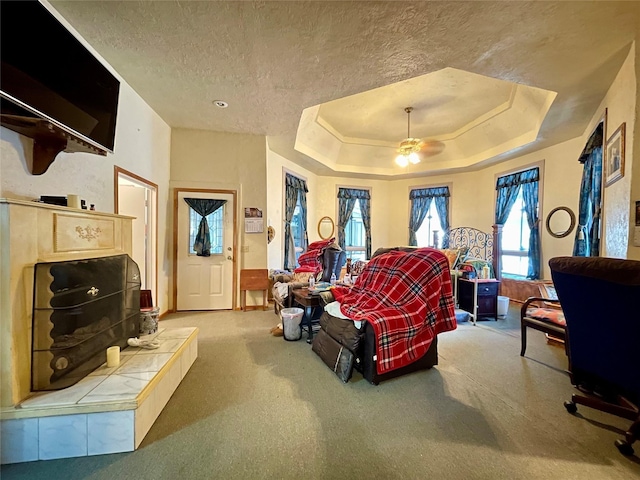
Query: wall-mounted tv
<point>47,74</point>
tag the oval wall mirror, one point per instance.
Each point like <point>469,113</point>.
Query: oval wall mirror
<point>560,222</point>
<point>326,228</point>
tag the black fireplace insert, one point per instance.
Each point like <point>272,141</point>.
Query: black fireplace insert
<point>80,308</point>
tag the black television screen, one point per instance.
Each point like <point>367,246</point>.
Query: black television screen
<point>46,72</point>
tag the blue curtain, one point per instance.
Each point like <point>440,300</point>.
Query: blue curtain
<point>295,188</point>
<point>420,202</point>
<point>507,188</point>
<point>530,197</point>
<point>587,239</point>
<point>365,210</point>
<point>346,201</point>
<point>203,207</point>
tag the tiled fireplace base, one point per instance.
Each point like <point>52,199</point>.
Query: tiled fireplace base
<point>109,411</point>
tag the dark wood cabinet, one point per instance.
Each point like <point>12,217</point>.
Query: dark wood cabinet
<point>487,297</point>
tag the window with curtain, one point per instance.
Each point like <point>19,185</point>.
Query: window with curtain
<point>297,230</point>
<point>515,240</point>
<point>425,234</point>
<point>429,214</point>
<point>354,222</point>
<point>216,225</point>
<point>295,220</point>
<point>517,211</point>
<point>355,236</point>
<point>587,238</point>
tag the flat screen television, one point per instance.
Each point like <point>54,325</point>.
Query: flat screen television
<point>47,74</point>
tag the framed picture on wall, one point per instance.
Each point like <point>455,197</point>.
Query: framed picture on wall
<point>614,158</point>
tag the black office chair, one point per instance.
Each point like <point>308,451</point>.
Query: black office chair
<point>599,298</point>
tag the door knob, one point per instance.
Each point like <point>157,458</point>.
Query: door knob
<point>229,257</point>
<point>229,248</point>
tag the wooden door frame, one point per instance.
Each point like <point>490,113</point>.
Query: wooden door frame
<point>117,172</point>
<point>176,192</point>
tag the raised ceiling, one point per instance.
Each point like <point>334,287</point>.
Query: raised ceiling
<point>463,119</point>
<point>273,60</point>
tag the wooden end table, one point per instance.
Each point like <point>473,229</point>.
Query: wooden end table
<point>309,302</point>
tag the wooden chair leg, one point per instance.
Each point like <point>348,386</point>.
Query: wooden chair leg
<point>523,336</point>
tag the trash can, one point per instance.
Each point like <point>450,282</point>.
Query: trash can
<point>503,306</point>
<point>291,318</point>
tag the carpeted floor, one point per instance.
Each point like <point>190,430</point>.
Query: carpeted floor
<point>256,406</point>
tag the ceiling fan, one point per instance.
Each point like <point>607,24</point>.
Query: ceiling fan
<point>410,148</point>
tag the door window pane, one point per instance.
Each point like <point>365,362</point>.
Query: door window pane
<point>216,229</point>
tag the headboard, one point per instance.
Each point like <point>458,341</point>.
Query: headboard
<point>480,243</point>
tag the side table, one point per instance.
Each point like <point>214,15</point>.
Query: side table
<point>309,302</point>
<point>254,279</point>
<point>479,297</point>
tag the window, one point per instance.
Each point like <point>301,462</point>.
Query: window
<point>296,229</point>
<point>430,224</point>
<point>216,225</point>
<point>355,237</point>
<point>515,240</point>
<point>517,212</point>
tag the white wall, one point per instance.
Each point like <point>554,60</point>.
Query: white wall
<point>620,102</point>
<point>225,161</point>
<point>141,146</point>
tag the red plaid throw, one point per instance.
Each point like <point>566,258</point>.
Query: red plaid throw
<point>407,298</point>
<point>309,261</point>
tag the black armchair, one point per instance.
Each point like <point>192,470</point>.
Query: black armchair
<point>599,298</point>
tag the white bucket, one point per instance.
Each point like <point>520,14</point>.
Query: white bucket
<point>503,306</point>
<point>291,318</point>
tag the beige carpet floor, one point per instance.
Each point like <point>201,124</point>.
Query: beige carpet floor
<point>256,406</point>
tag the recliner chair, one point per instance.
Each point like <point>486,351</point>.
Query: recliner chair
<point>599,298</point>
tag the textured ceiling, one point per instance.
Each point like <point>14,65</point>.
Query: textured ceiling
<point>272,60</point>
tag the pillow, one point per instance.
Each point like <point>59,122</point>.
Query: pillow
<point>301,277</point>
<point>452,255</point>
<point>357,267</point>
<point>552,315</point>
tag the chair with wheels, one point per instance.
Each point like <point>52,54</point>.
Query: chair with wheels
<point>599,298</point>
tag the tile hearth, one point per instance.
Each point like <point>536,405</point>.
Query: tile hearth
<point>109,411</point>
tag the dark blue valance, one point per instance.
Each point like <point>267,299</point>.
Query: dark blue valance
<point>295,182</point>
<point>595,141</point>
<point>354,193</point>
<point>429,192</point>
<point>520,178</point>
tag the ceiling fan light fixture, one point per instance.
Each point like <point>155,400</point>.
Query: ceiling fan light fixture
<point>402,160</point>
<point>409,147</point>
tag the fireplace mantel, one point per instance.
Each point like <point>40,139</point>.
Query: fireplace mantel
<point>32,232</point>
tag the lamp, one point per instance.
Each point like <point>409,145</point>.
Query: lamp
<point>409,147</point>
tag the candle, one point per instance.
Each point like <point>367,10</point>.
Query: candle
<point>73,201</point>
<point>113,356</point>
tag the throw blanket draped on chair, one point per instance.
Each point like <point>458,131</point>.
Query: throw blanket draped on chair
<point>407,298</point>
<point>309,261</point>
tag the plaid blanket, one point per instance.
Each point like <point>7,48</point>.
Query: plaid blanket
<point>310,261</point>
<point>407,298</point>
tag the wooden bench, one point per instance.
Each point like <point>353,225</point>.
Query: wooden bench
<point>254,279</point>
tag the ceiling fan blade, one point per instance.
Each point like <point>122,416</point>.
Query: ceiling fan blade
<point>432,147</point>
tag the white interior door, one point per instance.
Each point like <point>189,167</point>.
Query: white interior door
<point>132,201</point>
<point>138,197</point>
<point>205,283</point>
